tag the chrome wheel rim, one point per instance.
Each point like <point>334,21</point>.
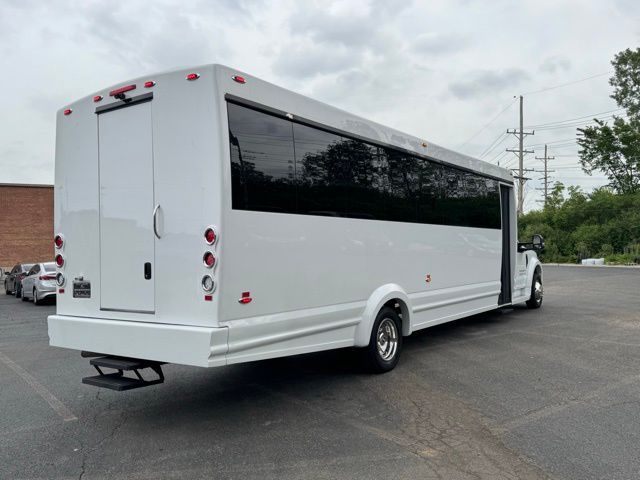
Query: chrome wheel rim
<point>387,339</point>
<point>538,291</point>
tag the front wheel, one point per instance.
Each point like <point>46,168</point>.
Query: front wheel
<point>535,301</point>
<point>36,301</point>
<point>385,344</point>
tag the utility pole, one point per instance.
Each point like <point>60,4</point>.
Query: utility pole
<point>545,178</point>
<point>520,134</point>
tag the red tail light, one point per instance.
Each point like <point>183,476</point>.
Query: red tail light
<point>209,259</point>
<point>58,241</point>
<point>47,277</point>
<point>210,236</point>
<point>120,90</point>
<point>68,111</point>
<point>193,76</point>
<point>59,260</point>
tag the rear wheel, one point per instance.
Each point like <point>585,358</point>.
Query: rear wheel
<point>17,290</point>
<point>385,344</point>
<point>535,301</point>
<point>35,297</point>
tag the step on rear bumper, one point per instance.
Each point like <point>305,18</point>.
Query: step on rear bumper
<point>179,344</point>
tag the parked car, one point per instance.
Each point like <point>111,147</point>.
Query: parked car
<point>40,283</point>
<point>12,282</point>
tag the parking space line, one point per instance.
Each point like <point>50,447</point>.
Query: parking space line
<point>40,389</point>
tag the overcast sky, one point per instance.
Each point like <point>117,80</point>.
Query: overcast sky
<point>437,69</point>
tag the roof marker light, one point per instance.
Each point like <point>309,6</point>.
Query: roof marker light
<point>193,76</point>
<point>68,111</point>
<point>97,98</point>
<point>239,79</point>
<point>149,84</point>
<point>120,90</point>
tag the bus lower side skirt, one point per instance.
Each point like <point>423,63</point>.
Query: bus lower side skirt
<point>117,380</point>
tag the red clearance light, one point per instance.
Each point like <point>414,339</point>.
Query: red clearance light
<point>239,79</point>
<point>193,76</point>
<point>149,84</point>
<point>245,298</point>
<point>58,241</point>
<point>61,290</point>
<point>59,260</point>
<point>208,298</point>
<point>209,259</point>
<point>68,111</point>
<point>97,98</point>
<point>210,236</point>
<point>120,90</point>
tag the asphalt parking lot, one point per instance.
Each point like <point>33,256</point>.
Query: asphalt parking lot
<point>552,393</point>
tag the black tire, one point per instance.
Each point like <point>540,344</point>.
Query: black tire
<point>386,336</point>
<point>6,288</point>
<point>535,300</point>
<point>24,297</point>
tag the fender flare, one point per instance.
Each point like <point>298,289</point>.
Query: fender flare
<point>534,264</point>
<point>376,301</point>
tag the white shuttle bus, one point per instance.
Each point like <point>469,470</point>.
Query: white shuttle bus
<point>206,217</point>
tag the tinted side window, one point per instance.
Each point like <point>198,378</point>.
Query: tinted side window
<point>469,200</point>
<point>262,161</point>
<point>324,174</point>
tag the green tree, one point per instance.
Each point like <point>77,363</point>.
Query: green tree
<point>615,149</point>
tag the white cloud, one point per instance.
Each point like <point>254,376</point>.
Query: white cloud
<point>439,70</point>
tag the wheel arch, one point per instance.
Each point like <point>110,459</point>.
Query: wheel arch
<point>391,295</point>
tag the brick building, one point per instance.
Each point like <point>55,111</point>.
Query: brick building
<point>26,224</point>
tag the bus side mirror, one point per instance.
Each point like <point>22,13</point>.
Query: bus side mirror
<point>538,242</point>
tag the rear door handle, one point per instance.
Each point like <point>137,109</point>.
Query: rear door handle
<point>155,220</point>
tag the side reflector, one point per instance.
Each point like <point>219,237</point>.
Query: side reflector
<point>245,298</point>
<point>208,298</point>
<point>120,90</point>
<point>239,79</point>
<point>149,84</point>
<point>68,111</point>
<point>61,290</point>
<point>193,76</point>
<point>97,98</point>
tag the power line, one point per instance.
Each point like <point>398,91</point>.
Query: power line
<point>499,139</point>
<point>573,119</point>
<point>486,125</point>
<point>567,84</point>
